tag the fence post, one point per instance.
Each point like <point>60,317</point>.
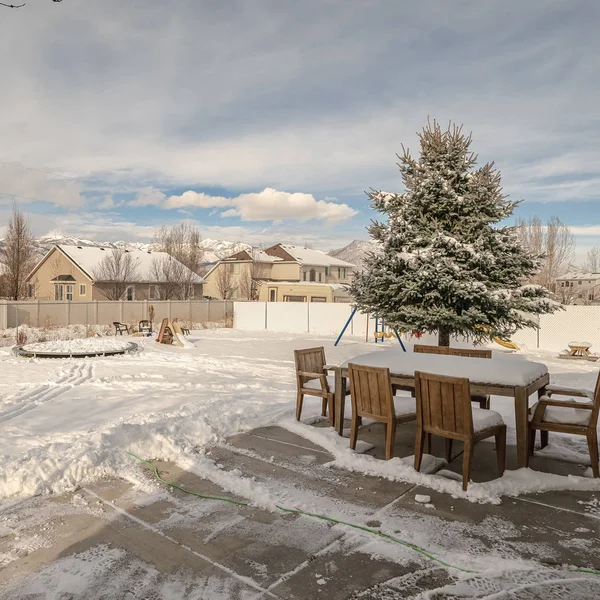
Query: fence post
<point>121,311</point>
<point>308,317</point>
<point>3,314</point>
<point>190,311</point>
<point>38,313</point>
<point>68,312</point>
<point>208,311</point>
<point>145,315</point>
<point>266,316</point>
<point>95,311</point>
<point>169,309</point>
<point>537,331</point>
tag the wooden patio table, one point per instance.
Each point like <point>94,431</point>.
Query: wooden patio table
<point>502,376</point>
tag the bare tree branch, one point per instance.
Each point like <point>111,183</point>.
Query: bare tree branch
<point>251,275</point>
<point>225,280</point>
<point>17,255</point>
<point>118,270</point>
<point>592,260</point>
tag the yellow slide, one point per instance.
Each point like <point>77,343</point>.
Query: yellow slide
<point>506,343</point>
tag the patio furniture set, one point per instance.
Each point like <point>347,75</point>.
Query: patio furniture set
<point>444,383</point>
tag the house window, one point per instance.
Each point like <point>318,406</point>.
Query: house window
<point>343,273</point>
<point>272,295</point>
<point>70,289</point>
<point>154,292</point>
<point>82,290</point>
<point>320,276</point>
<point>130,293</point>
<point>313,275</point>
<point>304,275</point>
<point>562,284</point>
<point>318,299</point>
<point>59,293</point>
<point>294,298</point>
<point>580,282</point>
<point>326,271</point>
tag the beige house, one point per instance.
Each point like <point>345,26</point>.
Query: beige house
<point>74,273</point>
<point>281,273</point>
<point>578,288</point>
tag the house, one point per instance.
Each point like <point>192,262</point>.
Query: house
<point>281,273</point>
<point>578,288</point>
<point>79,273</point>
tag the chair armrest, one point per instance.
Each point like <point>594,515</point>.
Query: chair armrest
<point>330,367</point>
<point>548,402</point>
<point>559,390</point>
<point>320,376</point>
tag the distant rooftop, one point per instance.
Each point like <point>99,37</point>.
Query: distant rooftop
<point>579,276</point>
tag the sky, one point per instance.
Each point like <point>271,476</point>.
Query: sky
<point>266,121</point>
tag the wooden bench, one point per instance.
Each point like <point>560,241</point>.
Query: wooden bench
<point>120,328</point>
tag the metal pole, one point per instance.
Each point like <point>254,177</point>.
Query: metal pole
<point>346,326</point>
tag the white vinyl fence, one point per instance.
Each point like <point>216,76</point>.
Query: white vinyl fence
<point>38,313</point>
<point>575,323</point>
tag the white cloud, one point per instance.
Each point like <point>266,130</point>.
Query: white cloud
<point>28,185</point>
<point>148,196</point>
<point>268,205</point>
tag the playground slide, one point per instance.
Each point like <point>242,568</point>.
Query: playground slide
<point>178,334</point>
<point>506,343</point>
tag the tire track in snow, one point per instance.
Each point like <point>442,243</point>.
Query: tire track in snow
<point>75,375</point>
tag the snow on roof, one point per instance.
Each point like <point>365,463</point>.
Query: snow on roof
<point>90,257</point>
<point>333,286</point>
<point>255,255</point>
<point>579,276</point>
<point>306,256</point>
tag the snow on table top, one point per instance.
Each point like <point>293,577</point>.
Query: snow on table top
<point>76,346</point>
<point>497,371</point>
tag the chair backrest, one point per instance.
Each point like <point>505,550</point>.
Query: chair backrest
<point>371,392</point>
<point>425,349</point>
<point>594,418</point>
<point>470,352</point>
<point>444,404</point>
<point>309,360</point>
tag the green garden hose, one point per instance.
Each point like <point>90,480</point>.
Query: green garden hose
<point>297,511</point>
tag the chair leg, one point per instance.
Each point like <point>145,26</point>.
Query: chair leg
<point>501,449</point>
<point>532,433</point>
<point>592,439</point>
<point>390,438</point>
<point>331,410</point>
<point>353,431</point>
<point>428,443</point>
<point>324,407</point>
<point>299,401</point>
<point>448,449</point>
<point>467,459</point>
<point>419,442</point>
<point>485,404</point>
<point>544,435</point>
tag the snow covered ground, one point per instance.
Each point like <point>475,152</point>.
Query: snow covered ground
<point>70,421</point>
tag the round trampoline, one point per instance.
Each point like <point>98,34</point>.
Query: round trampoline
<point>76,348</point>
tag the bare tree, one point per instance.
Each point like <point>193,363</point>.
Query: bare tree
<point>592,260</point>
<point>251,275</point>
<point>17,255</point>
<point>225,282</point>
<point>178,272</point>
<point>566,294</point>
<point>118,271</point>
<point>553,242</point>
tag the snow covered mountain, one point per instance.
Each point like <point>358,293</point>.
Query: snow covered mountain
<point>355,252</point>
<point>214,250</point>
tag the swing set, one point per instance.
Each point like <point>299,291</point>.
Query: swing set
<point>380,332</point>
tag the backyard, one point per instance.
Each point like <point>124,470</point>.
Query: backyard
<point>80,515</point>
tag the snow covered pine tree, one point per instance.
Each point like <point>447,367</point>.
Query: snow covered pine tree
<point>444,263</point>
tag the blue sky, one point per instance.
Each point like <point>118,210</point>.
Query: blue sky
<point>265,121</point>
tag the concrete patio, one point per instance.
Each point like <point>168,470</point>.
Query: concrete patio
<point>223,550</point>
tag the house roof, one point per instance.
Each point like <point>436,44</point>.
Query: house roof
<point>333,286</point>
<point>579,276</point>
<point>306,256</point>
<point>64,278</point>
<point>88,259</point>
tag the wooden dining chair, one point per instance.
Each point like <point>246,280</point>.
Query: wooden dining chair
<point>482,399</point>
<point>567,416</point>
<point>372,398</point>
<point>444,409</point>
<point>312,380</point>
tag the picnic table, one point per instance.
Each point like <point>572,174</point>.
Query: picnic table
<point>580,349</point>
<point>506,376</point>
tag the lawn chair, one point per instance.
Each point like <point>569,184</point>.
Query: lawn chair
<point>145,327</point>
<point>371,392</point>
<point>482,399</point>
<point>444,409</point>
<point>312,380</point>
<point>567,416</point>
<point>120,328</point>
